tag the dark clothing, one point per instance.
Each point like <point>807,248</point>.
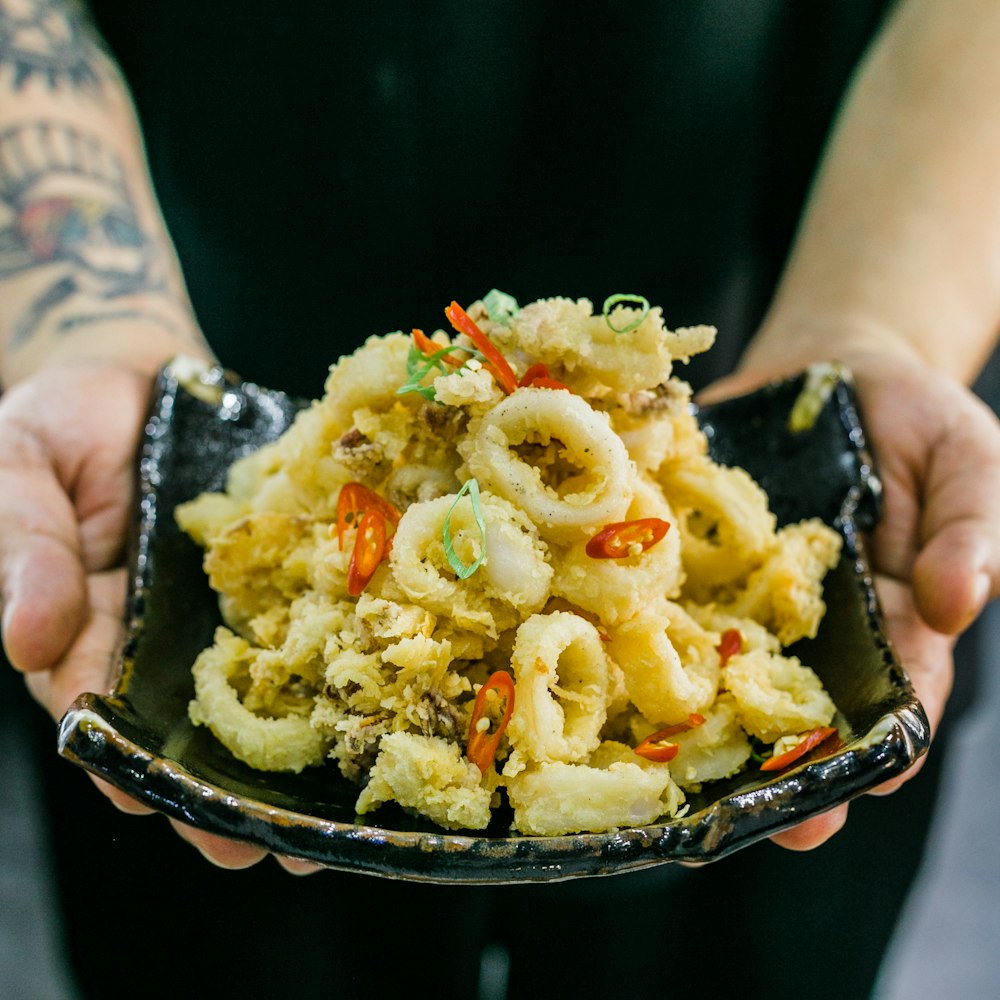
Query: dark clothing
<point>329,171</point>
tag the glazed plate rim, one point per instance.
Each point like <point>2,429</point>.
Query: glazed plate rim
<point>92,734</point>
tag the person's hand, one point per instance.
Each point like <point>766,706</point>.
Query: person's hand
<point>68,438</point>
<point>936,550</point>
<point>67,443</point>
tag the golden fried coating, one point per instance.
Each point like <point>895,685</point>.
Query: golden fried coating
<point>496,563</point>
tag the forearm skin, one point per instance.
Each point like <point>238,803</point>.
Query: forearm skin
<point>87,269</point>
<point>899,248</point>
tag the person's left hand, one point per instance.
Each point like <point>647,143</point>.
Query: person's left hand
<point>936,551</point>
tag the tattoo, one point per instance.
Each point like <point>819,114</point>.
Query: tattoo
<point>66,215</point>
<point>71,323</point>
<point>51,40</point>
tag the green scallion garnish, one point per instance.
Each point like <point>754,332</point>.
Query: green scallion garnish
<point>420,365</point>
<point>463,571</point>
<point>759,751</point>
<point>622,298</point>
<point>500,307</point>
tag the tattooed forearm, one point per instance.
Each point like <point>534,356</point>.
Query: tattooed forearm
<point>48,40</point>
<point>67,219</point>
<point>80,320</point>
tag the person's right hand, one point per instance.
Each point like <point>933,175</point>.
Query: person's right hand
<point>68,438</point>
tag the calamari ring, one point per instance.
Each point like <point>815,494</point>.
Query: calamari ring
<point>597,495</point>
<point>268,744</point>
<point>725,524</point>
<point>663,684</point>
<point>617,589</point>
<point>556,798</point>
<point>512,582</point>
<point>776,695</point>
<point>711,751</point>
<point>563,679</point>
<point>786,593</point>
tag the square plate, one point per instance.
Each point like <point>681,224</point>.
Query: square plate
<point>140,739</point>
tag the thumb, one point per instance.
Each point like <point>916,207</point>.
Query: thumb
<point>89,660</point>
<point>42,582</point>
<point>738,383</point>
<point>957,569</point>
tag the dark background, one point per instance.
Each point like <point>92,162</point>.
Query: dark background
<point>335,170</point>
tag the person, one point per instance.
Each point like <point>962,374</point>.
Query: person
<point>892,270</point>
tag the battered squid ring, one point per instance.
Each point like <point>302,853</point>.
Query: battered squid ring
<point>711,751</point>
<point>648,648</point>
<point>776,695</point>
<point>597,496</point>
<point>512,582</point>
<point>725,525</point>
<point>269,744</point>
<point>617,589</point>
<point>562,679</point>
<point>557,798</point>
<point>368,380</point>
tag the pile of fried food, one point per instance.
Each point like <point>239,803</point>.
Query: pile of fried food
<point>498,562</point>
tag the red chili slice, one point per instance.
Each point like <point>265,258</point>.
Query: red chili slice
<point>369,551</point>
<point>659,753</point>
<point>615,541</point>
<point>353,501</point>
<point>425,345</point>
<point>482,746</point>
<point>537,377</point>
<point>653,746</point>
<point>495,361</point>
<point>730,644</point>
<point>812,739</point>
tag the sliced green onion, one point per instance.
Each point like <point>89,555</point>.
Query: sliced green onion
<point>759,751</point>
<point>614,300</point>
<point>500,307</point>
<point>417,369</point>
<point>420,365</point>
<point>463,571</point>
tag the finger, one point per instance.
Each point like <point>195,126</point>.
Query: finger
<point>894,784</point>
<point>298,866</point>
<point>120,800</point>
<point>926,656</point>
<point>222,852</point>
<point>958,567</point>
<point>924,653</point>
<point>813,832</point>
<point>42,584</point>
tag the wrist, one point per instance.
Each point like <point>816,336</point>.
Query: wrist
<point>784,346</point>
<point>136,341</point>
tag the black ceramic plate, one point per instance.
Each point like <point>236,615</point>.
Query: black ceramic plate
<point>140,739</point>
